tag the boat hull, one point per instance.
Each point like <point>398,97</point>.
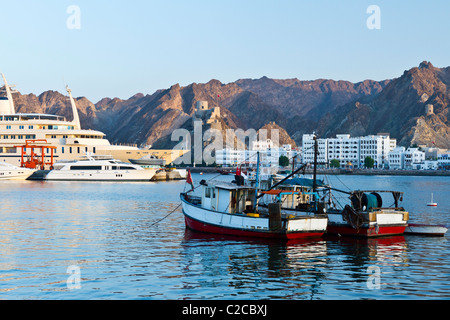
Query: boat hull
<point>132,175</point>
<point>199,226</point>
<point>372,231</point>
<point>21,174</point>
<point>428,230</point>
<point>376,225</point>
<point>203,220</point>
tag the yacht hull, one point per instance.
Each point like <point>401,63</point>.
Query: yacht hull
<point>137,175</point>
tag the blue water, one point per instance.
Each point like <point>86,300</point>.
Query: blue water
<point>126,245</point>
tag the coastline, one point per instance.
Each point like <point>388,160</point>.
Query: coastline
<point>367,172</point>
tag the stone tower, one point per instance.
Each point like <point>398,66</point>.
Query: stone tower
<point>429,109</point>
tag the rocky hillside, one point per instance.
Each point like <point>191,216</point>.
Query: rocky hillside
<point>294,107</point>
<point>400,109</point>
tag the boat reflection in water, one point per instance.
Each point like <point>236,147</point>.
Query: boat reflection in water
<point>295,269</point>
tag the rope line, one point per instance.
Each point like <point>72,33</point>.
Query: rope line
<point>165,216</point>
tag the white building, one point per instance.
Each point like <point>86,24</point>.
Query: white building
<point>269,155</point>
<point>396,158</point>
<point>429,165</point>
<point>443,159</point>
<point>230,157</point>
<point>349,151</point>
<point>413,158</point>
<point>344,149</point>
<point>440,160</point>
<point>378,148</point>
<point>308,150</point>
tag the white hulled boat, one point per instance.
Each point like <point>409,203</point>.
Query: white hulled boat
<point>9,171</point>
<point>70,140</point>
<point>99,169</point>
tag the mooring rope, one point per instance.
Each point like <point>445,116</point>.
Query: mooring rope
<point>165,216</point>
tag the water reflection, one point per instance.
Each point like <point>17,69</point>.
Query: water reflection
<point>286,270</point>
<point>254,267</point>
<point>128,247</point>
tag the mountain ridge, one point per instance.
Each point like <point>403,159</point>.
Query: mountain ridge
<point>326,106</point>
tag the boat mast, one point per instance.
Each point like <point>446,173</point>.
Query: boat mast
<point>257,180</point>
<point>12,109</point>
<point>316,151</point>
<point>76,119</point>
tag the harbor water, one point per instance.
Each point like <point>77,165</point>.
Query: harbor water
<point>104,240</point>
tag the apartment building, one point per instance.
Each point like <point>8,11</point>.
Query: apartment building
<point>349,151</point>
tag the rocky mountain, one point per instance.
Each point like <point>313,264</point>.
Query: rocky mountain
<point>399,106</point>
<point>401,109</point>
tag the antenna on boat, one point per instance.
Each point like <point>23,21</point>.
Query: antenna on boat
<point>12,109</point>
<point>257,181</point>
<point>316,151</point>
<point>76,119</point>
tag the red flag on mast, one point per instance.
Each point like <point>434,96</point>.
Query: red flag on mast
<point>189,179</point>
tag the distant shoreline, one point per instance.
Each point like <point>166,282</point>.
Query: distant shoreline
<point>363,172</point>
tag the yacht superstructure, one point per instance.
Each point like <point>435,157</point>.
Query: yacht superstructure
<point>70,140</point>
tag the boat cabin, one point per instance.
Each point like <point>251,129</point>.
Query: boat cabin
<point>295,194</point>
<point>227,197</point>
<point>290,197</point>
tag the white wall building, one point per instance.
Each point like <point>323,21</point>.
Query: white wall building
<point>443,160</point>
<point>413,158</point>
<point>349,151</point>
<point>378,148</point>
<point>269,155</point>
<point>396,158</point>
<point>345,149</point>
<point>308,150</point>
<point>230,157</point>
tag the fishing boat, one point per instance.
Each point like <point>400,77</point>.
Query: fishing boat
<point>366,216</point>
<point>90,168</point>
<point>232,209</point>
<point>426,229</point>
<point>11,172</point>
<point>432,203</point>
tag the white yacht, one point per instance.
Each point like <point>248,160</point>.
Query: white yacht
<point>99,169</point>
<point>9,171</point>
<point>70,140</point>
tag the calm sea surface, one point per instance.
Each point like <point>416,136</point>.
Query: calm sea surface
<point>118,240</point>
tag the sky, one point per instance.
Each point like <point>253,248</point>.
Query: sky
<point>120,48</point>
